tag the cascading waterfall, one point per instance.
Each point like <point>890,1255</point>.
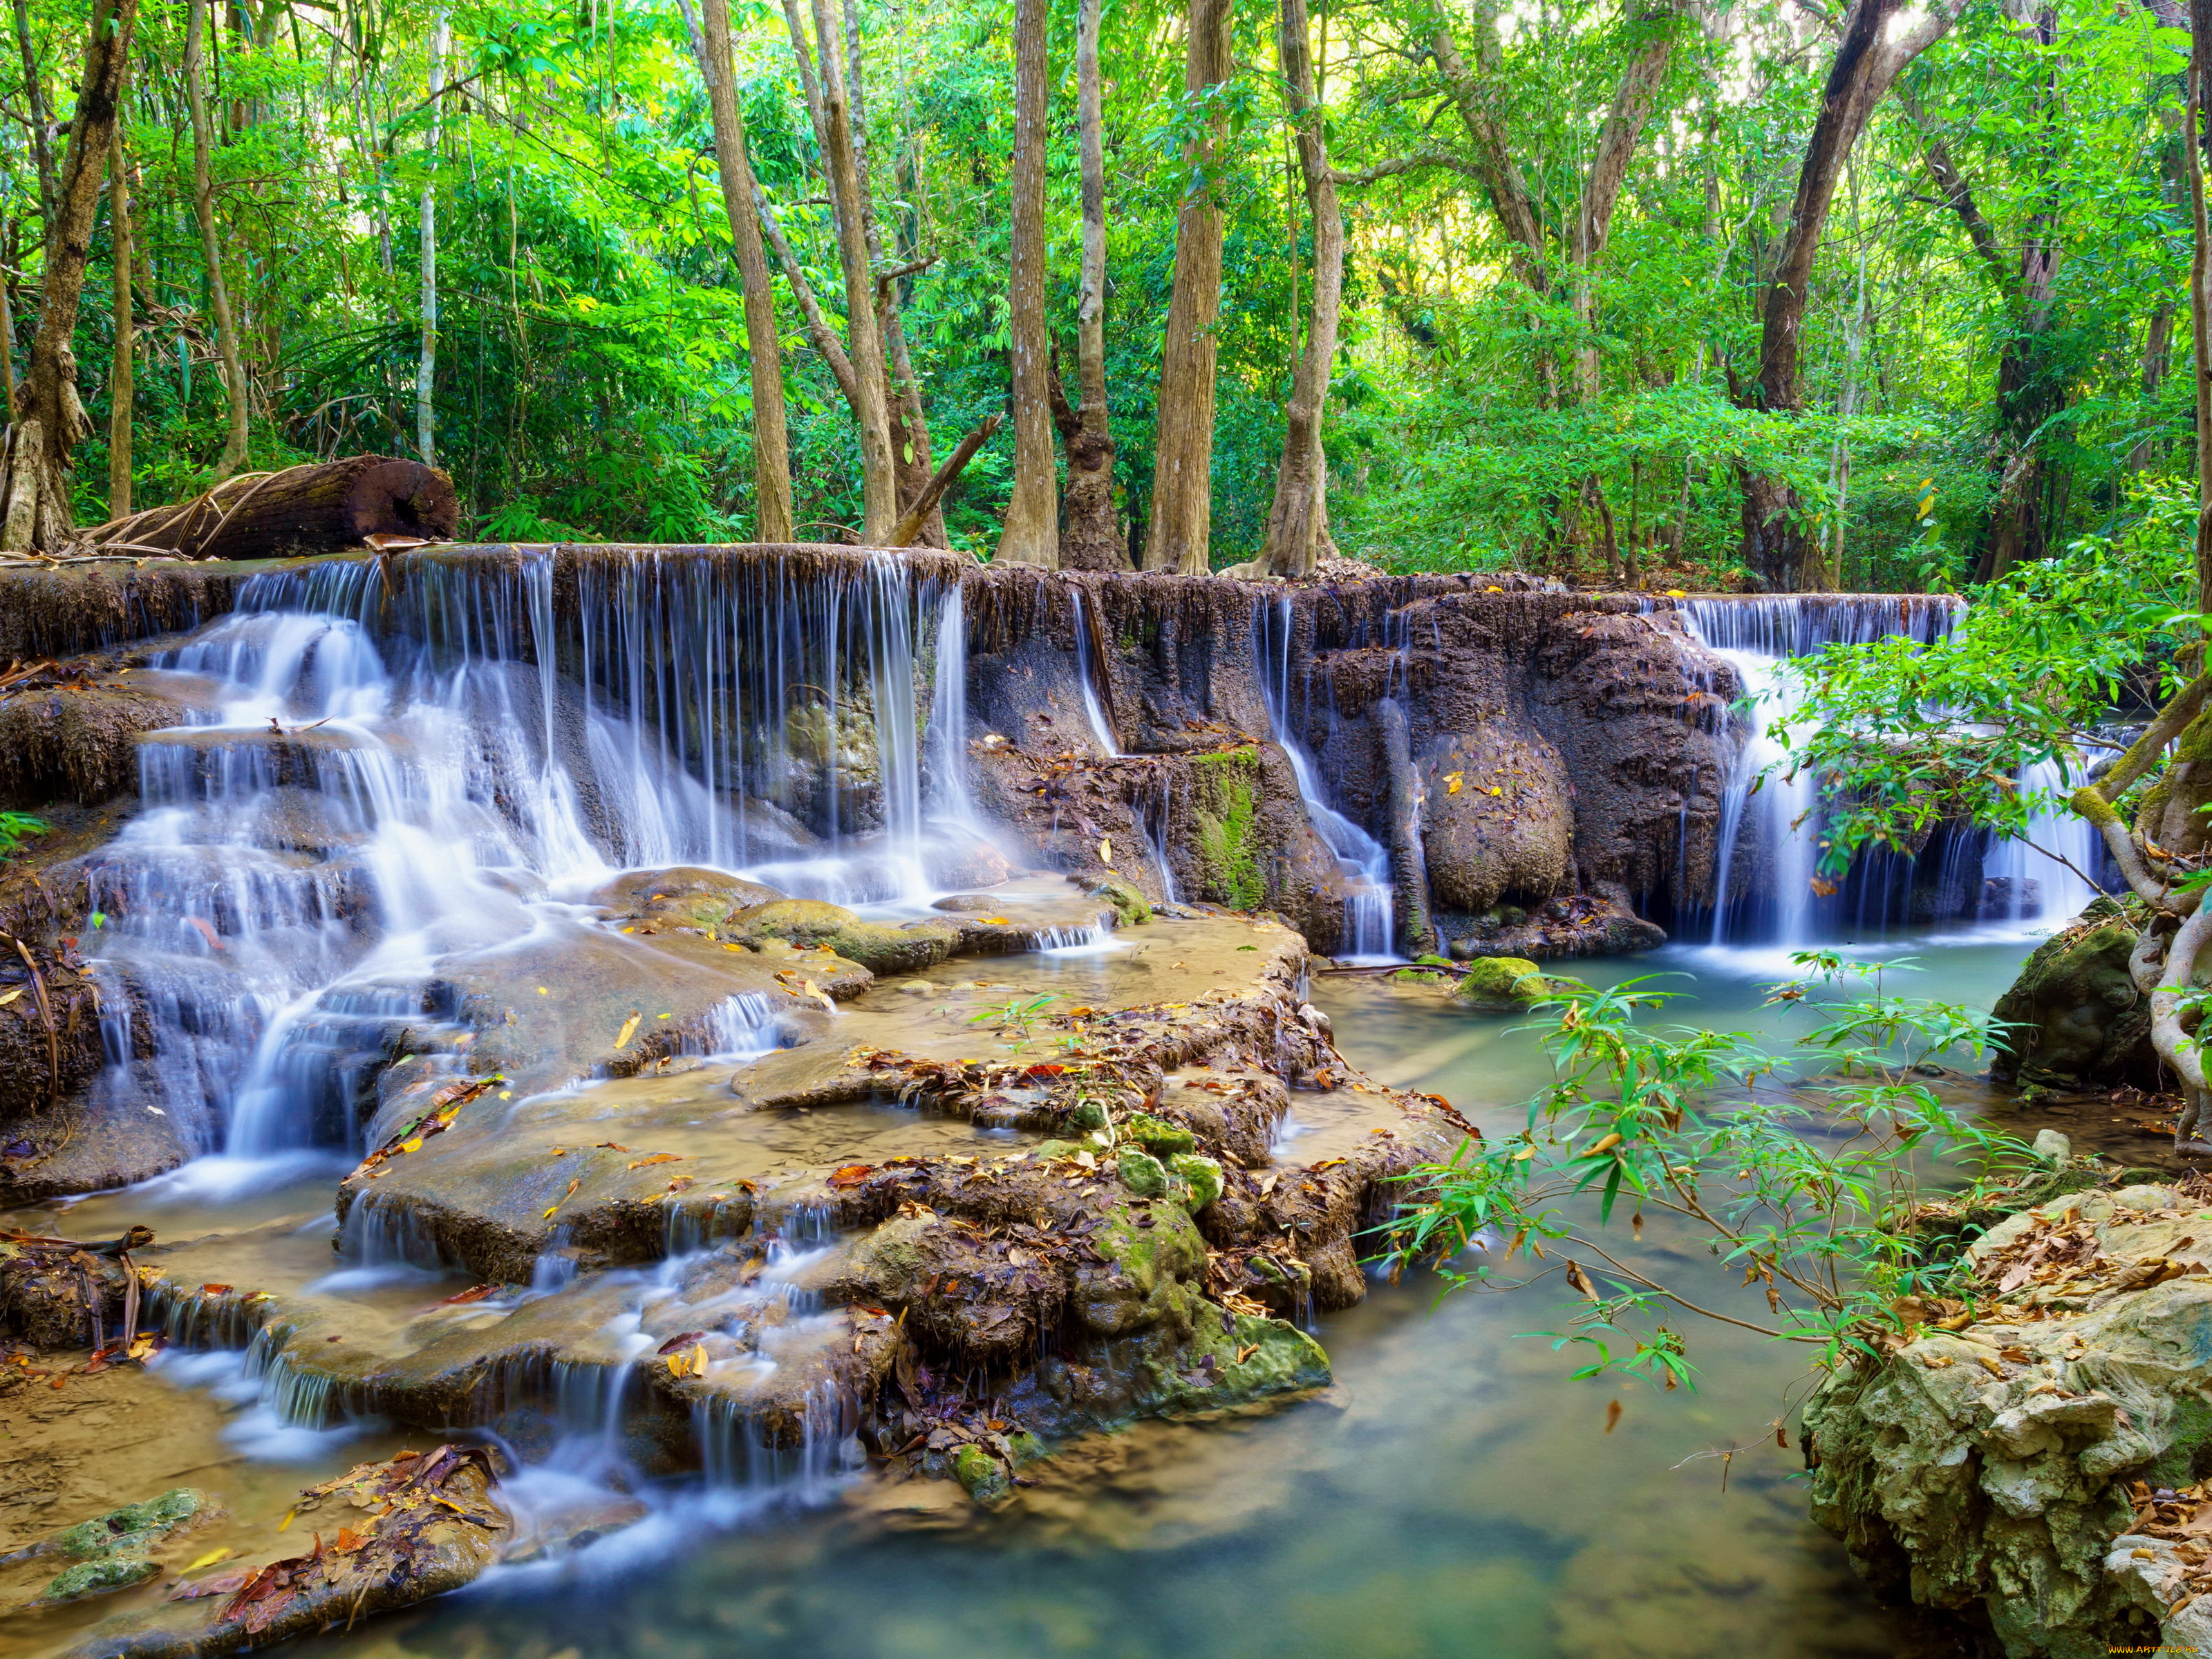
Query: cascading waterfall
<point>1086,671</point>
<point>1369,898</point>
<point>1770,825</point>
<point>373,779</point>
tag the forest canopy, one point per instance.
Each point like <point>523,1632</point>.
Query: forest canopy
<point>1874,296</point>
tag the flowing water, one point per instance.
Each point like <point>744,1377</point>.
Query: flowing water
<point>373,781</point>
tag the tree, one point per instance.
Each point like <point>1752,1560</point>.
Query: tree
<point>121,374</point>
<point>226,326</point>
<point>1183,483</point>
<point>1879,39</point>
<point>426,371</point>
<point>53,419</point>
<point>1093,539</point>
<point>1030,534</point>
<point>1297,520</point>
<point>771,445</point>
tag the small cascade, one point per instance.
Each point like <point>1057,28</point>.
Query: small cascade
<point>1086,671</point>
<point>1770,822</point>
<point>1369,900</point>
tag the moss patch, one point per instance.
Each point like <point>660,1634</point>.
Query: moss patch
<point>1228,812</point>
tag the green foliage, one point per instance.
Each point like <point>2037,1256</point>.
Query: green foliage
<point>1806,1185</point>
<point>16,828</point>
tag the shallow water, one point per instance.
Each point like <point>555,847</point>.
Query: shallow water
<point>1453,1495</point>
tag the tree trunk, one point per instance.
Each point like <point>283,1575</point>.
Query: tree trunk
<point>1030,534</point>
<point>1879,38</point>
<point>426,365</point>
<point>1297,512</point>
<point>2200,288</point>
<point>1183,483</point>
<point>1093,539</point>
<point>772,513</point>
<point>322,507</point>
<point>864,340</point>
<point>51,404</point>
<point>41,123</point>
<point>120,389</point>
<point>226,331</point>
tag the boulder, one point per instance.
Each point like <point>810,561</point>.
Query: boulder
<point>1496,819</point>
<point>2074,1017</point>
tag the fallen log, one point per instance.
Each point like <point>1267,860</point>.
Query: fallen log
<point>323,507</point>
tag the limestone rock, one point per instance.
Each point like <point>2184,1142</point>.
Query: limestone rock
<point>1495,818</point>
<point>2080,1019</point>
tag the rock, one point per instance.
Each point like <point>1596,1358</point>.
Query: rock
<point>1495,818</point>
<point>812,925</point>
<point>986,1478</point>
<point>1142,1173</point>
<point>2079,1020</point>
<point>100,1576</point>
<point>1128,903</point>
<point>1503,982</point>
<point>1158,1136</point>
<point>635,892</point>
<point>1201,1177</point>
<point>2052,1147</point>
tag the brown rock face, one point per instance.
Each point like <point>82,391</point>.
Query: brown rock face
<point>1495,818</point>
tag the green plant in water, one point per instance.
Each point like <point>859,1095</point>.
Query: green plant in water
<point>16,828</point>
<point>1020,1015</point>
<point>1808,1188</point>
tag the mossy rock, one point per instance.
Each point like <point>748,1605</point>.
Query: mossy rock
<point>1131,906</point>
<point>1503,982</point>
<point>1200,1178</point>
<point>1158,1136</point>
<point>812,924</point>
<point>2074,1017</point>
<point>100,1576</point>
<point>1142,1173</point>
<point>985,1478</point>
<point>135,1527</point>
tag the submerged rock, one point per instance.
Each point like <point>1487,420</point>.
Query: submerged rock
<point>1503,982</point>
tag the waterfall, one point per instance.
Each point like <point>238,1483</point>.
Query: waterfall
<point>1369,899</point>
<point>376,777</point>
<point>1769,822</point>
<point>1086,671</point>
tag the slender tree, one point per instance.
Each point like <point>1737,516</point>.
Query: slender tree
<point>1092,539</point>
<point>764,353</point>
<point>120,390</point>
<point>1182,486</point>
<point>53,420</point>
<point>426,365</point>
<point>226,329</point>
<point>1030,534</point>
<point>1296,518</point>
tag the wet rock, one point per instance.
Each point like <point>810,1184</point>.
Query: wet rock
<point>2078,1019</point>
<point>1128,903</point>
<point>714,893</point>
<point>877,947</point>
<point>1503,982</point>
<point>1141,1173</point>
<point>1200,1178</point>
<point>1495,818</point>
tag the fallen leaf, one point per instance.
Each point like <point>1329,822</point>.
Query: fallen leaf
<point>657,1157</point>
<point>1106,851</point>
<point>210,1558</point>
<point>628,1030</point>
<point>1612,1414</point>
<point>851,1174</point>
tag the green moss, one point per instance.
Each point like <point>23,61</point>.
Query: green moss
<point>983,1475</point>
<point>1504,981</point>
<point>99,1577</point>
<point>1158,1135</point>
<point>1228,812</point>
<point>133,1527</point>
<point>1130,905</point>
<point>1200,1175</point>
<point>1147,1256</point>
<point>2188,1449</point>
<point>1142,1173</point>
<point>875,947</point>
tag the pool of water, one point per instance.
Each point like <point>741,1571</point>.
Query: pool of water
<point>1453,1494</point>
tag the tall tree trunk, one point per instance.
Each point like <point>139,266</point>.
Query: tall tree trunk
<point>825,80</point>
<point>1879,38</point>
<point>772,513</point>
<point>1183,483</point>
<point>2200,288</point>
<point>1030,534</point>
<point>51,408</point>
<point>34,99</point>
<point>1295,517</point>
<point>1092,540</point>
<point>120,389</point>
<point>226,331</point>
<point>426,365</point>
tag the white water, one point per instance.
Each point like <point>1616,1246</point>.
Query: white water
<point>1370,894</point>
<point>1086,671</point>
<point>1770,822</point>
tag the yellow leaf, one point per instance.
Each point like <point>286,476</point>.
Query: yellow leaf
<point>628,1030</point>
<point>1493,590</point>
<point>1497,789</point>
<point>699,1359</point>
<point>1106,851</point>
<point>1454,779</point>
<point>550,1208</point>
<point>209,1559</point>
<point>1608,1144</point>
<point>290,1515</point>
<point>12,995</point>
<point>1676,593</point>
<point>543,992</point>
